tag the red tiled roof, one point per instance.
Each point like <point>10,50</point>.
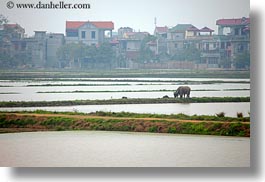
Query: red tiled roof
<point>238,21</point>
<point>14,26</point>
<point>74,24</point>
<point>206,29</point>
<point>192,28</point>
<point>98,24</point>
<point>161,29</point>
<point>10,25</point>
<point>103,24</point>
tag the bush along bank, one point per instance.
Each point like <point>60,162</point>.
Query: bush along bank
<point>124,101</point>
<point>55,122</point>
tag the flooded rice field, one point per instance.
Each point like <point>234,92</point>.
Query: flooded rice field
<point>115,88</point>
<point>230,109</point>
<point>94,90</point>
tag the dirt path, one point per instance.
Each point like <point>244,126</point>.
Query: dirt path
<point>110,117</point>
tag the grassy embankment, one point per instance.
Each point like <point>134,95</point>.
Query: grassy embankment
<point>124,101</point>
<point>182,124</point>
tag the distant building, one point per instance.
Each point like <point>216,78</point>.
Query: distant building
<point>164,51</point>
<point>161,42</point>
<point>12,44</point>
<point>89,32</point>
<point>217,51</point>
<point>43,48</point>
<point>176,38</point>
<point>54,42</point>
<point>161,31</point>
<point>130,44</point>
<point>14,31</point>
<point>123,31</point>
<point>237,38</point>
<point>10,37</point>
<point>210,54</point>
<point>39,49</point>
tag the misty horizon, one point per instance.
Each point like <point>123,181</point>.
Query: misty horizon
<point>138,15</point>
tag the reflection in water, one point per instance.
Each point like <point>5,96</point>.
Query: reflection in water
<point>122,149</point>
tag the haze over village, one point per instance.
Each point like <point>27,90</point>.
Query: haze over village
<point>95,44</point>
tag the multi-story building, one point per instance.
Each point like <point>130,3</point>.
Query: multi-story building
<point>161,41</point>
<point>39,49</point>
<point>10,38</point>
<point>210,54</point>
<point>14,31</point>
<point>89,32</point>
<point>123,31</point>
<point>234,38</point>
<point>130,42</point>
<point>54,41</point>
<point>43,47</point>
<point>12,45</point>
<point>217,51</point>
<point>182,36</point>
<point>176,38</point>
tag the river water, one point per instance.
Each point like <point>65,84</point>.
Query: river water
<point>122,149</point>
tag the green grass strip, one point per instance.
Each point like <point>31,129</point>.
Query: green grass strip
<point>124,101</point>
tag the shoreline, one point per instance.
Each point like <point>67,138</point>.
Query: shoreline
<point>32,122</point>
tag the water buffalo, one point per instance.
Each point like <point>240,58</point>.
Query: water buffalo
<point>182,91</point>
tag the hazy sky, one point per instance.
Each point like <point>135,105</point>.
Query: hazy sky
<point>138,14</point>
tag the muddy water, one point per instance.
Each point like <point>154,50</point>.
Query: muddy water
<point>120,149</point>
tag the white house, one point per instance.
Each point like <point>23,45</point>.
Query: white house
<point>88,32</point>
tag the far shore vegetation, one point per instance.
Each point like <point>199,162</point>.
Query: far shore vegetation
<point>9,93</point>
<point>121,91</point>
<point>123,101</point>
<point>121,73</point>
<point>115,91</point>
<point>151,82</point>
<point>110,121</point>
